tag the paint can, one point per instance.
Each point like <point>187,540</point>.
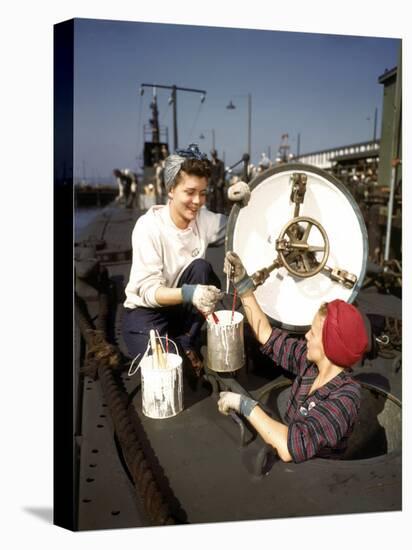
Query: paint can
<point>162,388</point>
<point>225,343</point>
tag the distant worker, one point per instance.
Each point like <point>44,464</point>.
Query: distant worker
<point>149,196</point>
<point>159,182</point>
<point>216,196</point>
<point>264,162</point>
<point>161,195</point>
<point>133,201</point>
<point>171,286</point>
<point>325,399</point>
<point>251,171</point>
<point>119,180</point>
<point>127,185</point>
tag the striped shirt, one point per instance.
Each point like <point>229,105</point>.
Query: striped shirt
<point>321,423</point>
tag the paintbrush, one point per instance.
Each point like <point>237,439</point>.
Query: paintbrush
<point>215,317</point>
<point>229,277</point>
<point>234,304</point>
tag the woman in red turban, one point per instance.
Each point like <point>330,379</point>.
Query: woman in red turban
<point>325,399</point>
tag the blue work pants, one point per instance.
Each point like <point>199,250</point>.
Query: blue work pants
<point>181,322</point>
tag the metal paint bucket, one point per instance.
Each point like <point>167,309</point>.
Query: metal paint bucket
<point>225,344</point>
<point>162,388</point>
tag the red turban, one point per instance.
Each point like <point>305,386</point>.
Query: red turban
<point>344,335</point>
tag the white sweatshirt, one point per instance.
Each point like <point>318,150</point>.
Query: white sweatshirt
<point>162,251</point>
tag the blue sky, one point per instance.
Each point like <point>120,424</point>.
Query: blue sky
<point>323,87</point>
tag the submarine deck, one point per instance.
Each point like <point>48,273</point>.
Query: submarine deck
<point>197,456</point>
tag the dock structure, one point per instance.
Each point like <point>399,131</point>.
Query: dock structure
<point>326,158</point>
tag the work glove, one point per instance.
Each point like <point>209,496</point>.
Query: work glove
<point>236,402</point>
<point>239,191</point>
<point>203,297</point>
<point>234,268</point>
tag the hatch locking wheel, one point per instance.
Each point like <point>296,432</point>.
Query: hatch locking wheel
<point>296,254</point>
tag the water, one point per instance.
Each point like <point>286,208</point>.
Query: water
<point>82,217</point>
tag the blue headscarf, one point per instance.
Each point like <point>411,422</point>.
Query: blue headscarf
<point>174,162</point>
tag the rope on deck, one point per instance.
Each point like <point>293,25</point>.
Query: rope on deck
<point>144,479</point>
<point>104,361</point>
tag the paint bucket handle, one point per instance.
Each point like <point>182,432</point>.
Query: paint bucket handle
<point>130,373</point>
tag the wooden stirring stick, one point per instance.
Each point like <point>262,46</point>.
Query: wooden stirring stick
<point>160,352</point>
<point>155,360</point>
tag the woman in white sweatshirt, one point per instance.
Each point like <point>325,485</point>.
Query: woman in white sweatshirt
<point>171,286</point>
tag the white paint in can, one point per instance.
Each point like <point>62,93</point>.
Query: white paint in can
<point>162,388</point>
